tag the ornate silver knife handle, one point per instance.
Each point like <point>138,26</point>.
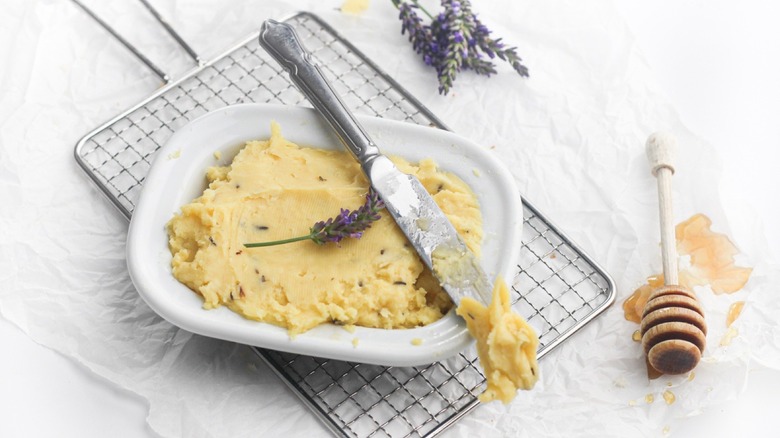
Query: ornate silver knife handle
<point>405,198</point>
<point>282,43</point>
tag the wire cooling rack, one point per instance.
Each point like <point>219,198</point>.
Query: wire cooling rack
<point>557,288</point>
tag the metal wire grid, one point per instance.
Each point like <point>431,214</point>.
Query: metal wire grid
<point>558,288</point>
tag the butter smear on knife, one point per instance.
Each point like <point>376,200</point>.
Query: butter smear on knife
<point>506,343</point>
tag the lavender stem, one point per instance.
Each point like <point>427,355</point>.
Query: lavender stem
<point>278,242</point>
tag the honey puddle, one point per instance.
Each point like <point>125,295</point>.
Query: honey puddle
<point>711,263</point>
<point>635,304</point>
<point>669,397</point>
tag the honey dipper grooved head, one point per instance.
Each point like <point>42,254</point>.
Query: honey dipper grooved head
<point>671,302</point>
<point>674,356</point>
<point>672,290</point>
<point>674,332</point>
<point>664,315</point>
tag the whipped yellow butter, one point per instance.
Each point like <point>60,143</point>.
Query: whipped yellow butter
<point>276,190</point>
<point>506,345</point>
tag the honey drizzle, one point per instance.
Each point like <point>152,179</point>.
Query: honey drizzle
<point>652,373</point>
<point>712,256</point>
<point>711,262</point>
<point>735,309</point>
<point>731,333</point>
<point>634,305</point>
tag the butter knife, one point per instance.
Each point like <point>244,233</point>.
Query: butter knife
<point>411,206</point>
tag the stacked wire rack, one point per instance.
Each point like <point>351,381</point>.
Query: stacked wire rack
<point>557,287</point>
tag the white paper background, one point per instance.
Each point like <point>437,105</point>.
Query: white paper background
<point>572,135</point>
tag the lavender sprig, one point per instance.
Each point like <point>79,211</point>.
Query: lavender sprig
<point>496,48</point>
<point>412,24</point>
<point>454,40</point>
<point>346,224</point>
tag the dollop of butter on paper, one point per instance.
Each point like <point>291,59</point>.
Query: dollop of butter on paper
<point>505,342</point>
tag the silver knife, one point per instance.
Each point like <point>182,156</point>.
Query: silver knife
<point>425,225</point>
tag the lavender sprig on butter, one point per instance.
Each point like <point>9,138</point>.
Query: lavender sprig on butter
<point>346,224</point>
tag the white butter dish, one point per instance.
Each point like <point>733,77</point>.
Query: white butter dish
<point>178,176</point>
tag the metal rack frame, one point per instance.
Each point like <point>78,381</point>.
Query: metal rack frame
<point>558,287</point>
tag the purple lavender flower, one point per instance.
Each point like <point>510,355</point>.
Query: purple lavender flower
<point>411,23</point>
<point>454,40</point>
<point>346,224</point>
<point>457,51</point>
<point>496,48</point>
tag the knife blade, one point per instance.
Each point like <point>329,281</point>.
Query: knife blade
<point>410,205</point>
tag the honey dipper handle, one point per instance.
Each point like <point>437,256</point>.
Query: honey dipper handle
<point>660,149</point>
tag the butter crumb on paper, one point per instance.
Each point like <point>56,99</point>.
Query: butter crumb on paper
<point>354,6</point>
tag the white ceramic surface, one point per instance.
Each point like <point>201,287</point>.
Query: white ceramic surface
<point>178,175</point>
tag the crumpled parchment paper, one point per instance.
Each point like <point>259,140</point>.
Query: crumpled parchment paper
<point>572,135</point>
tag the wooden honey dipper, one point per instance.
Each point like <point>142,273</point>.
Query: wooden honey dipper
<point>673,328</point>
